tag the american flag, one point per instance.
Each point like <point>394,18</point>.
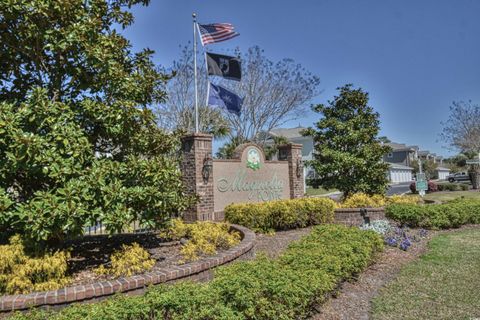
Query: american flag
<point>216,32</point>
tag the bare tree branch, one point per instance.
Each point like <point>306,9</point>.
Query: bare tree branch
<point>275,93</point>
<point>462,130</point>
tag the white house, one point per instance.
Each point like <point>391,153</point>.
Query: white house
<point>442,173</point>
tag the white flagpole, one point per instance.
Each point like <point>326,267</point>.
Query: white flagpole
<point>194,15</point>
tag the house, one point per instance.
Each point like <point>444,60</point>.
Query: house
<point>401,159</point>
<point>442,173</point>
<point>401,154</point>
<point>425,155</point>
<point>294,135</point>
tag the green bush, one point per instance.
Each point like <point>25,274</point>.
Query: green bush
<point>281,214</point>
<point>204,237</point>
<point>77,140</point>
<point>283,288</point>
<point>436,216</point>
<point>464,187</point>
<point>453,187</point>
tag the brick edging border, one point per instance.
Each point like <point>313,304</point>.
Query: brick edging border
<point>105,288</point>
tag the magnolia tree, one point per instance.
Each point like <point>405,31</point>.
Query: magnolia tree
<point>77,141</point>
<point>348,153</point>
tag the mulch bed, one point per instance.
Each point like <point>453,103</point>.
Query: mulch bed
<point>273,245</point>
<point>90,252</point>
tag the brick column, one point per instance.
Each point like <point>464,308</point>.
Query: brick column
<point>196,148</point>
<point>293,154</point>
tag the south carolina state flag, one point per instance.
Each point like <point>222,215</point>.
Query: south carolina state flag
<point>223,98</point>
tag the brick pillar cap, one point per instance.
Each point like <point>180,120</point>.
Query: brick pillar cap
<point>201,136</point>
<point>290,145</point>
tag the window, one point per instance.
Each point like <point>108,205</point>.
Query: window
<point>390,155</point>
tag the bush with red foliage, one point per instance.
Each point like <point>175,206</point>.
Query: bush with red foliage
<point>432,187</point>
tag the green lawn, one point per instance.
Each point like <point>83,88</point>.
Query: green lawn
<point>450,195</point>
<point>443,284</point>
<point>318,192</point>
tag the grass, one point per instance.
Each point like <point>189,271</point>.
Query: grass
<point>450,195</point>
<point>318,192</point>
<point>443,284</point>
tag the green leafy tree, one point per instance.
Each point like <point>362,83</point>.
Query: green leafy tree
<point>348,153</point>
<point>228,149</point>
<point>272,149</point>
<point>78,143</point>
<point>429,167</point>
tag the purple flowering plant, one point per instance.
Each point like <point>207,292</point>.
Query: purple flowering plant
<point>400,237</point>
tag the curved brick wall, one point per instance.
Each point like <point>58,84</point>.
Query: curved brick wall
<point>197,271</point>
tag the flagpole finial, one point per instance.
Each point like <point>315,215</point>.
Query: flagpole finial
<point>194,16</point>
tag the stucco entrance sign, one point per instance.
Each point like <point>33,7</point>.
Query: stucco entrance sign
<point>249,178</point>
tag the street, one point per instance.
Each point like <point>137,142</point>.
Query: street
<point>399,188</point>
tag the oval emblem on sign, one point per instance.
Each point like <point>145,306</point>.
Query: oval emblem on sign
<point>253,159</point>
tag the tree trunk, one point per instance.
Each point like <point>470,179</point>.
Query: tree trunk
<point>475,176</point>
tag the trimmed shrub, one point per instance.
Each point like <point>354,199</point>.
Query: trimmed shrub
<point>432,187</point>
<point>281,214</point>
<point>453,187</point>
<point>412,199</point>
<point>20,273</point>
<point>464,186</point>
<point>283,288</point>
<point>436,216</point>
<point>203,237</point>
<point>130,260</point>
<point>362,200</point>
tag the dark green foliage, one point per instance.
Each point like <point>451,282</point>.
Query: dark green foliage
<point>283,288</point>
<point>453,187</point>
<point>227,151</point>
<point>436,216</point>
<point>271,150</point>
<point>77,141</point>
<point>281,214</point>
<point>348,153</point>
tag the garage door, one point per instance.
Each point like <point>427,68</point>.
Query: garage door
<point>397,175</point>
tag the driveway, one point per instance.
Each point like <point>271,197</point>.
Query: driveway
<point>399,188</point>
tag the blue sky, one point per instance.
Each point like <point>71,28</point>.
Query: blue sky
<point>414,57</point>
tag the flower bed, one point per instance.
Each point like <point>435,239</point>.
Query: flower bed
<point>198,270</point>
<point>400,237</point>
<point>283,288</point>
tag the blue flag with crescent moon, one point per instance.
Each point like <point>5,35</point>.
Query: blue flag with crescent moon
<point>223,98</point>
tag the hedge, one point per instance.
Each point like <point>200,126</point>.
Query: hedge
<point>436,216</point>
<point>284,288</point>
<point>362,200</point>
<point>281,214</point>
<point>453,187</point>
